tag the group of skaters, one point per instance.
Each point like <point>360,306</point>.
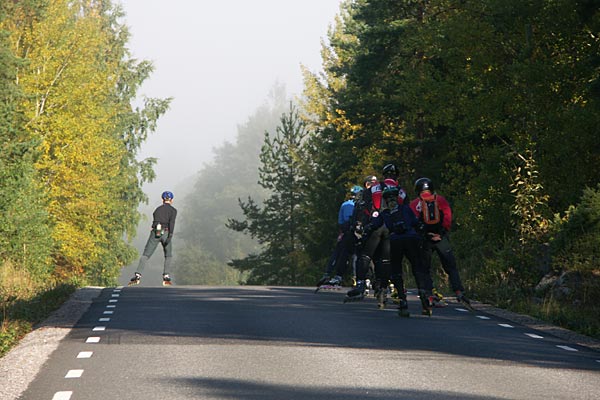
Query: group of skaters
<point>379,227</point>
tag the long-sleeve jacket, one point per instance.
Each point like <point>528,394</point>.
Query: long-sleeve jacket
<point>445,212</point>
<point>165,215</point>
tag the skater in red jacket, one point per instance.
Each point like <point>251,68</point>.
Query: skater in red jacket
<point>435,217</point>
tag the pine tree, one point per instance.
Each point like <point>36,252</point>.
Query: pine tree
<point>278,224</point>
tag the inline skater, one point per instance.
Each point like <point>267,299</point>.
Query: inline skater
<point>435,217</point>
<point>163,227</point>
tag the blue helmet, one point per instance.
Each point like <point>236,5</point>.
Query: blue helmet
<point>355,189</point>
<point>167,195</point>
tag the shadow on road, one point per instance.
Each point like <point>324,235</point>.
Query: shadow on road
<point>236,389</point>
<point>282,316</point>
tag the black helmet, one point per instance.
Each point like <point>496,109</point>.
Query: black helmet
<point>390,170</point>
<point>422,184</point>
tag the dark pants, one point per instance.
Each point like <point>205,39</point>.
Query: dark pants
<point>378,243</point>
<point>444,251</point>
<point>346,247</point>
<point>149,249</point>
<point>409,247</point>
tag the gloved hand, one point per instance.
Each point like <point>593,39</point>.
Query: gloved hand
<point>434,237</point>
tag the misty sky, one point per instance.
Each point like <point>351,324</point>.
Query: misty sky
<point>218,59</point>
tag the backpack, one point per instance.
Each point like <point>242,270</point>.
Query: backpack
<point>430,212</point>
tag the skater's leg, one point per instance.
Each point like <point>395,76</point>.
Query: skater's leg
<point>444,250</point>
<point>151,244</point>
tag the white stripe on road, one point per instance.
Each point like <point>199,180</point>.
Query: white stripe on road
<point>461,310</point>
<point>74,373</point>
<point>85,354</point>
<point>111,306</point>
<point>104,320</point>
<point>566,348</point>
<point>533,335</point>
<point>115,295</point>
<point>506,326</point>
<point>93,339</point>
<point>108,312</point>
<point>113,300</point>
<point>62,395</point>
<point>482,317</point>
<point>99,328</point>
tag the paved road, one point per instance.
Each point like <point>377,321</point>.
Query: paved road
<point>186,342</point>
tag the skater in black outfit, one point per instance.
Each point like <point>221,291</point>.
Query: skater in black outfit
<point>375,237</point>
<point>163,227</point>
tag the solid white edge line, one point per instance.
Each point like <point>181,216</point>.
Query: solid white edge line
<point>62,395</point>
<point>85,354</point>
<point>74,373</point>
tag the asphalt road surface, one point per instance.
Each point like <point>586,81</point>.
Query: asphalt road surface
<point>272,343</point>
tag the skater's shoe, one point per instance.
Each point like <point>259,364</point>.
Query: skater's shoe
<point>166,280</point>
<point>403,308</point>
<point>137,277</point>
<point>438,299</point>
<point>324,279</point>
<point>335,281</point>
<point>437,294</point>
<point>461,298</point>
<point>426,303</point>
<point>357,293</point>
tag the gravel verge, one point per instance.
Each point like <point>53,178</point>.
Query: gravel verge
<point>19,367</point>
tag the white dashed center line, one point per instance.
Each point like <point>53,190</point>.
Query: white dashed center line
<point>482,317</point>
<point>104,320</point>
<point>108,312</point>
<point>99,328</point>
<point>462,310</point>
<point>62,395</point>
<point>113,300</point>
<point>85,354</point>
<point>93,339</point>
<point>506,326</point>
<point>74,373</point>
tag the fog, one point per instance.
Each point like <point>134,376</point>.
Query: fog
<point>218,60</point>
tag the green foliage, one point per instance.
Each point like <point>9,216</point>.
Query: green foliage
<point>25,225</point>
<point>279,224</point>
<point>78,83</point>
<point>26,300</point>
<point>575,243</point>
